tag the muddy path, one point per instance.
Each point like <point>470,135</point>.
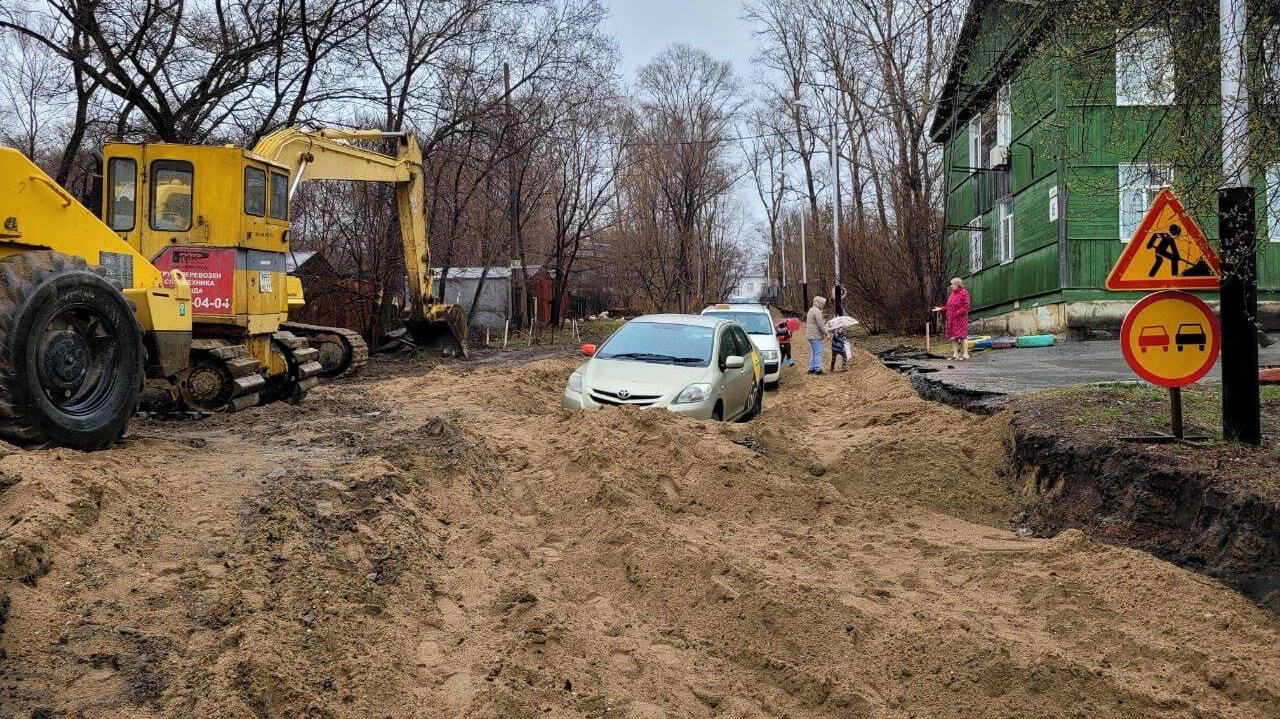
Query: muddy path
<point>446,542</point>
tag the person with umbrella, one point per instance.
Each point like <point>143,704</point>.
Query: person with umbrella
<point>840,341</point>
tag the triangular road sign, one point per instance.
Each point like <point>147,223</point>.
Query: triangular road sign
<point>1168,252</point>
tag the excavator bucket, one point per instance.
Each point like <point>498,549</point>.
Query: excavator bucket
<point>444,328</point>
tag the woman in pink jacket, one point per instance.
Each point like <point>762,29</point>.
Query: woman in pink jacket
<point>957,309</point>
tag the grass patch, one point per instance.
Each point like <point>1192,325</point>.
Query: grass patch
<point>1138,408</point>
<point>1102,414</point>
<point>877,343</point>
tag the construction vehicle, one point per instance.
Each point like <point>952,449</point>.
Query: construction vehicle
<point>328,155</point>
<point>177,283</point>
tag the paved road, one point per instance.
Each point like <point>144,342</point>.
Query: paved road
<point>1016,371</point>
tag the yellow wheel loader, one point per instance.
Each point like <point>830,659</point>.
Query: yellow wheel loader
<point>179,285</point>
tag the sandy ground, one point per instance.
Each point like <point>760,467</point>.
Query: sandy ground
<point>452,544</point>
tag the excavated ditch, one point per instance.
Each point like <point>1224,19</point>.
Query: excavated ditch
<point>1121,495</point>
<point>1124,496</point>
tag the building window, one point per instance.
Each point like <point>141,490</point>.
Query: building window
<point>1004,117</point>
<point>1271,65</point>
<point>1144,67</point>
<point>171,185</point>
<point>988,140</point>
<point>1273,203</point>
<point>975,244</point>
<point>1006,231</point>
<point>279,196</point>
<point>975,135</point>
<point>122,193</point>
<point>1139,186</point>
<point>255,191</point>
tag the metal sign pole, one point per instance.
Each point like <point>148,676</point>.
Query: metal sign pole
<point>1175,406</point>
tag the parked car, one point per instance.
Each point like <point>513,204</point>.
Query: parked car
<point>1153,336</point>
<point>703,367</point>
<point>758,323</point>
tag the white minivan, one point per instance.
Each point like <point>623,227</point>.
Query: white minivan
<point>758,323</point>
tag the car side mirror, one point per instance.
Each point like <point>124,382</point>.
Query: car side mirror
<point>735,362</point>
<point>589,350</point>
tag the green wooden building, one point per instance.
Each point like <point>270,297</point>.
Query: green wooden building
<point>1057,134</point>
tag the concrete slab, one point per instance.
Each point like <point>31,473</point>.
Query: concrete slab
<point>1018,371</point>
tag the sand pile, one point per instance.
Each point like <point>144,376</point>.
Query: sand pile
<point>452,544</point>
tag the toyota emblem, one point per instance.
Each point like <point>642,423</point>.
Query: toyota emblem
<point>624,393</point>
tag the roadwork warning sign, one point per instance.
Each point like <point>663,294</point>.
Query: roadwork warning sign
<point>1168,252</point>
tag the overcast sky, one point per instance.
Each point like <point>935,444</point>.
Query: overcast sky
<point>644,27</point>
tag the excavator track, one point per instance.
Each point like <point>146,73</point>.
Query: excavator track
<point>222,376</point>
<point>342,352</point>
<point>304,369</point>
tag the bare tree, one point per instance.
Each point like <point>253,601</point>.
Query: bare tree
<point>687,106</point>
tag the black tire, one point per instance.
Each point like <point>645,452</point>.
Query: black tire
<point>718,413</point>
<point>71,354</point>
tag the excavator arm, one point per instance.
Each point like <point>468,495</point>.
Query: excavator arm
<point>328,155</point>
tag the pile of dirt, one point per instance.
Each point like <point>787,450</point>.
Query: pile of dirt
<point>448,542</point>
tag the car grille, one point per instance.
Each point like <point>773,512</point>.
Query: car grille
<point>612,399</point>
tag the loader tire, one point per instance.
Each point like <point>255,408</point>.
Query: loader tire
<point>71,353</point>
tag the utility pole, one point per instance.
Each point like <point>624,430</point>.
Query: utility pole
<point>513,208</point>
<point>1241,409</point>
<point>782,243</point>
<point>835,201</point>
<point>804,268</point>
<point>837,299</point>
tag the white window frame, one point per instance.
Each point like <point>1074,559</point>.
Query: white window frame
<point>1272,193</point>
<point>975,143</point>
<point>1004,215</point>
<point>1004,117</point>
<point>975,244</point>
<point>1141,79</point>
<point>1138,185</point>
<point>1271,64</point>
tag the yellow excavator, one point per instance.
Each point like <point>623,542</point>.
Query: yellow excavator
<point>178,283</point>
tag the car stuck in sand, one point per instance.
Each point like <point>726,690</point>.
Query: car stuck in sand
<point>701,366</point>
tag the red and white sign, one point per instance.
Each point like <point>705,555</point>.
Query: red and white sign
<point>211,273</point>
<point>1171,338</point>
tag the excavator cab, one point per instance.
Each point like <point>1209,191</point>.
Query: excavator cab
<point>219,214</point>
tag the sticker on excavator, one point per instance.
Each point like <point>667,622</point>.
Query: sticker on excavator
<point>210,272</point>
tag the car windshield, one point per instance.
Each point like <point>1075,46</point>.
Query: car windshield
<point>661,342</point>
<point>755,323</point>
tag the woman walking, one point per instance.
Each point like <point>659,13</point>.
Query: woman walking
<point>815,330</point>
<point>957,309</point>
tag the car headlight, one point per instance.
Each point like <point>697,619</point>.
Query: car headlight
<point>768,355</point>
<point>575,382</point>
<point>694,393</point>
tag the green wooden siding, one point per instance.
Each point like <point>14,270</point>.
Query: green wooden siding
<point>1064,116</point>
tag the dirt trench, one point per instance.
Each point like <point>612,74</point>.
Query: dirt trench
<point>1123,495</point>
<point>449,543</point>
